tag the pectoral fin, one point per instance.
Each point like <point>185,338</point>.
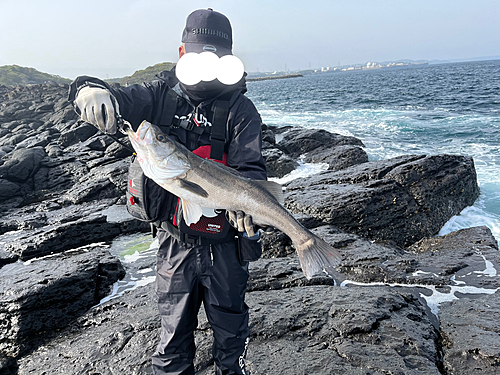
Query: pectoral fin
<point>193,188</point>
<point>191,212</point>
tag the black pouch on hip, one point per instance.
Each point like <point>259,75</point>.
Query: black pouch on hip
<point>146,200</point>
<point>248,250</point>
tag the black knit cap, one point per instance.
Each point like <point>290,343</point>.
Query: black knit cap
<point>208,30</point>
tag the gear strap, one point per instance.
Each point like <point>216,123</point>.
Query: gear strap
<point>219,121</point>
<point>184,237</point>
<point>169,111</point>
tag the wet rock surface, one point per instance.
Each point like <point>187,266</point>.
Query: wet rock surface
<point>39,298</point>
<point>470,329</point>
<point>401,302</point>
<point>326,329</point>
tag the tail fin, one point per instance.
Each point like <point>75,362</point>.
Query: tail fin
<point>315,254</point>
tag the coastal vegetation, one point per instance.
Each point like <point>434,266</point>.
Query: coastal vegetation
<point>144,75</point>
<point>11,75</point>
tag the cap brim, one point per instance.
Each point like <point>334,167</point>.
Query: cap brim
<point>202,47</point>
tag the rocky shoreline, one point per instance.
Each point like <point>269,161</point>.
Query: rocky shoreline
<point>402,301</point>
<point>266,78</point>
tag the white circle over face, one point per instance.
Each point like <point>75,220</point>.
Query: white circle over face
<point>208,66</point>
<point>193,68</point>
<point>187,69</point>
<point>230,70</point>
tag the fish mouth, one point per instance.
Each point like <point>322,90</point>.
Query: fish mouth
<point>143,137</point>
<point>144,134</point>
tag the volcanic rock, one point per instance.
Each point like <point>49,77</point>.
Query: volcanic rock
<point>470,329</point>
<point>402,200</point>
<point>39,298</point>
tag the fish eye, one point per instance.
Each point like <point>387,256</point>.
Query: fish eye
<point>161,138</point>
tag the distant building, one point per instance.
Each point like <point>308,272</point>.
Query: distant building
<point>372,65</point>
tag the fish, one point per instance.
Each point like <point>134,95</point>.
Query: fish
<point>204,185</point>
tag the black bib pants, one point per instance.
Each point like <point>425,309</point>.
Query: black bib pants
<point>188,275</point>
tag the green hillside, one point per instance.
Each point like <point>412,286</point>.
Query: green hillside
<point>145,75</point>
<point>11,75</point>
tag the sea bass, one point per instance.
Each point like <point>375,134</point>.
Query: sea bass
<point>204,185</point>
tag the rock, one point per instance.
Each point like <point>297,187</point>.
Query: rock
<point>277,163</point>
<point>328,330</point>
<point>60,237</point>
<point>268,135</point>
<point>22,164</point>
<point>462,257</point>
<point>120,335</point>
<point>107,181</point>
<point>6,258</point>
<point>12,140</point>
<point>117,151</point>
<point>312,329</point>
<point>281,273</point>
<point>298,141</point>
<point>467,256</point>
<point>470,329</point>
<point>110,270</point>
<point>38,140</point>
<point>48,227</point>
<point>8,189</point>
<point>401,200</point>
<point>53,150</point>
<point>3,132</point>
<point>77,134</point>
<point>66,115</point>
<point>97,142</point>
<point>42,107</point>
<point>39,298</point>
<point>337,158</point>
<point>276,244</point>
<point>382,216</point>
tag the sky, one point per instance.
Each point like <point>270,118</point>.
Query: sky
<point>111,39</point>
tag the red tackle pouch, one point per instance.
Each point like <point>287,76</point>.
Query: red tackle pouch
<point>215,228</point>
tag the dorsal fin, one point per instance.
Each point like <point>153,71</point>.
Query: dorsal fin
<point>274,188</point>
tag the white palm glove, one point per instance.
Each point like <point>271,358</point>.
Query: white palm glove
<point>242,222</point>
<point>98,107</point>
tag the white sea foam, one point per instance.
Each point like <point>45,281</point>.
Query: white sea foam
<point>120,287</point>
<point>473,216</point>
<point>446,293</point>
<point>303,170</point>
<point>437,296</point>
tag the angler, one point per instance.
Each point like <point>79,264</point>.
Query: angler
<point>194,266</point>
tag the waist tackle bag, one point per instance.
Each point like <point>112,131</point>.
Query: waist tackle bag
<point>146,200</point>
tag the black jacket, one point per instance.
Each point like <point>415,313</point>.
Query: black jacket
<point>148,102</point>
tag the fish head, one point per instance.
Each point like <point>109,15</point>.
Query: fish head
<point>149,141</point>
<point>158,155</point>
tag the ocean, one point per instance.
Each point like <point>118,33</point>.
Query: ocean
<point>419,109</point>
